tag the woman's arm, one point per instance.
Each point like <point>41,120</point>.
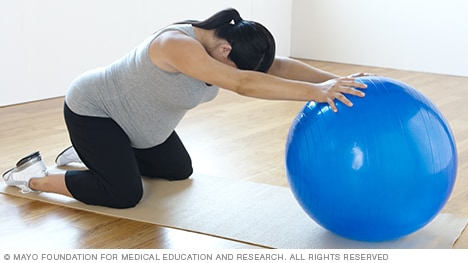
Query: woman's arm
<point>294,69</point>
<point>177,52</point>
<point>297,70</point>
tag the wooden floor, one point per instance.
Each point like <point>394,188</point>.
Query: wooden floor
<point>232,136</point>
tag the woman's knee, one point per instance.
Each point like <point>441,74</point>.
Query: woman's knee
<point>181,174</point>
<point>126,197</point>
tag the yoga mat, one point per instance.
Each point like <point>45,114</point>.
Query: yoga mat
<point>250,212</point>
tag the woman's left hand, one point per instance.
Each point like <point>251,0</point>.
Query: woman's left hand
<point>361,74</point>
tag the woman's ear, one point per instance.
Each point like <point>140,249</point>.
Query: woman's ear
<point>225,49</point>
<point>221,53</point>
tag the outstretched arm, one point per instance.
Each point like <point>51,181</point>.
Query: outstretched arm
<point>181,53</point>
<point>297,70</point>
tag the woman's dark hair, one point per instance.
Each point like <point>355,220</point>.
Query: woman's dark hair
<point>253,46</point>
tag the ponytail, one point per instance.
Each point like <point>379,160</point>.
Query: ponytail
<point>221,19</point>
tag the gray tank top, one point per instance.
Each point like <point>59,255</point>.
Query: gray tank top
<point>147,102</point>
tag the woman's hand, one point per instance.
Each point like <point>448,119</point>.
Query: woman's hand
<point>360,74</point>
<point>337,88</point>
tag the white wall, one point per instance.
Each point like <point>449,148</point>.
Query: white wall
<point>45,44</point>
<point>420,35</point>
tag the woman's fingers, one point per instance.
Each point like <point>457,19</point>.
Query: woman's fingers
<point>361,74</point>
<point>332,104</point>
<point>339,88</point>
<point>349,86</point>
<point>342,87</point>
<point>344,99</point>
<point>340,97</point>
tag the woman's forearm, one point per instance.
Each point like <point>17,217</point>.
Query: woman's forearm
<point>297,70</point>
<point>264,86</point>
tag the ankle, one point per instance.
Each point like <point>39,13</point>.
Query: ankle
<point>52,183</point>
<point>37,184</point>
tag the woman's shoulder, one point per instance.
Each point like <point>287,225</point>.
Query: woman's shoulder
<point>186,29</point>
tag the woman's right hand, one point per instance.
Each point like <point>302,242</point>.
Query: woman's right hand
<point>337,88</point>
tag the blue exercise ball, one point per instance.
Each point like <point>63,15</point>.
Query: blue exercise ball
<point>377,171</point>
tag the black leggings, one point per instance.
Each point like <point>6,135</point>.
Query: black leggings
<point>115,168</point>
